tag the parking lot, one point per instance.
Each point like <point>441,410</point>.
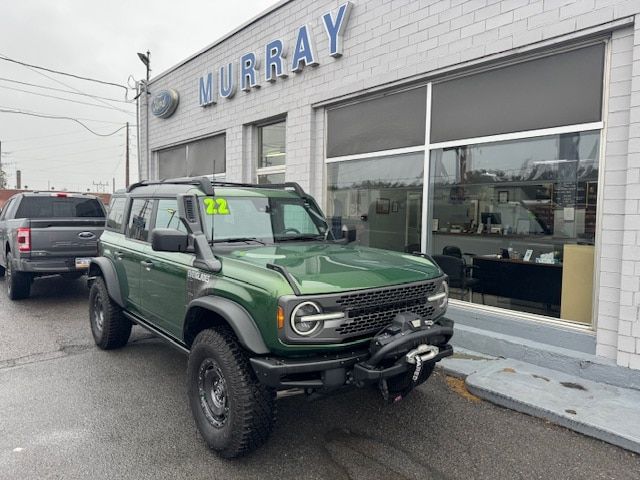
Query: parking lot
<point>69,410</point>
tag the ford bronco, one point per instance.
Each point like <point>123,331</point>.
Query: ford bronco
<point>252,283</point>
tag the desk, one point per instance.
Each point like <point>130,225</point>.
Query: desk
<point>529,281</point>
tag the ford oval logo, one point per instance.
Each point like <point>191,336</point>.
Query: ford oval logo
<point>164,103</point>
<point>86,235</point>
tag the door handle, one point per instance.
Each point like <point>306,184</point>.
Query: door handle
<point>118,255</point>
<point>147,264</point>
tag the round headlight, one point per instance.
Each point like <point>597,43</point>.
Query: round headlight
<point>305,327</point>
<point>445,288</point>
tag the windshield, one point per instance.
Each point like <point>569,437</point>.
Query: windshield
<point>261,219</point>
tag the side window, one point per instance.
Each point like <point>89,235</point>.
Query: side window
<point>139,220</point>
<point>167,215</point>
<point>116,214</point>
<point>296,217</point>
<point>6,208</point>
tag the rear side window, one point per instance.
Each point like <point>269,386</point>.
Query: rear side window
<point>116,214</point>
<point>59,207</point>
<point>139,220</point>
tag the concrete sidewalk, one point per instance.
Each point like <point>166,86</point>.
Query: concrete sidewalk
<point>606,412</point>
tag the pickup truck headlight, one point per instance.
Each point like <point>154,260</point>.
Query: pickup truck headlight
<point>302,318</point>
<point>441,296</point>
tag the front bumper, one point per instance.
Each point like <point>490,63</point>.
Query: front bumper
<point>353,368</point>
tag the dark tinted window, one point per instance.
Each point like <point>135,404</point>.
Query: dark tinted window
<point>59,207</point>
<point>116,214</point>
<point>140,219</point>
<point>393,121</point>
<point>562,89</point>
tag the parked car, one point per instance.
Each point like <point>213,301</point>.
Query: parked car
<point>47,233</point>
<point>249,281</point>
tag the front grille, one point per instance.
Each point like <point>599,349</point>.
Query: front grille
<point>372,310</point>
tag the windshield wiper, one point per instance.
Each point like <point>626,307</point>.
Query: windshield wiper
<point>299,238</point>
<point>238,239</point>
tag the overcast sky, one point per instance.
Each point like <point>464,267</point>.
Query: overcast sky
<point>96,39</point>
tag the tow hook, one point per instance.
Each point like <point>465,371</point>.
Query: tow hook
<point>422,353</point>
<point>425,352</point>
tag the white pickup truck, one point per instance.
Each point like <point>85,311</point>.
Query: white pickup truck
<point>47,233</point>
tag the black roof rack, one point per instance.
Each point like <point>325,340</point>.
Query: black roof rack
<point>202,182</point>
<point>207,185</point>
<point>274,186</point>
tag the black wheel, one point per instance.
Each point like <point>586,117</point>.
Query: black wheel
<point>233,411</point>
<point>109,326</point>
<point>18,283</point>
<point>1,271</point>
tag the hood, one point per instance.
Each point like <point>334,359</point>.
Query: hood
<point>328,267</point>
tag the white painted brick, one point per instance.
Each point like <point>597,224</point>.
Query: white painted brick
<point>595,17</point>
<point>528,11</point>
<point>627,344</point>
<point>607,351</point>
<point>623,359</point>
<point>634,362</point>
<point>499,20</point>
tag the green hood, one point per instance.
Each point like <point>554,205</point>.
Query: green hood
<point>328,267</point>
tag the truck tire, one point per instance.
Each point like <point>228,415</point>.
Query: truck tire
<point>233,411</point>
<point>110,328</point>
<point>18,283</point>
<point>1,271</point>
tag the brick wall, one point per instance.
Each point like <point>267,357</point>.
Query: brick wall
<point>389,41</point>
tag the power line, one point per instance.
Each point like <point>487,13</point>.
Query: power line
<point>78,118</point>
<point>65,99</point>
<point>56,117</point>
<point>33,69</point>
<point>50,145</point>
<point>80,77</point>
<point>63,90</point>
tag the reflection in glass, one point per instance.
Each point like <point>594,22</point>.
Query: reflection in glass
<point>381,197</point>
<point>272,140</point>
<point>513,208</point>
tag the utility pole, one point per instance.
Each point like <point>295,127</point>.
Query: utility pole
<point>126,174</point>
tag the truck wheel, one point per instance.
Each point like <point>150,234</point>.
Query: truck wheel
<point>233,411</point>
<point>18,283</point>
<point>109,326</point>
<point>1,271</point>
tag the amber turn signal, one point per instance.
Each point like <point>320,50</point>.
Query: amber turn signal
<point>280,317</point>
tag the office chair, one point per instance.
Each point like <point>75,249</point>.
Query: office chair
<point>458,273</point>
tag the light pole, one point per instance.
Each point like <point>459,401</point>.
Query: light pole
<point>146,59</point>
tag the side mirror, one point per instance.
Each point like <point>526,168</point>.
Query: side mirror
<point>348,234</point>
<point>169,240</point>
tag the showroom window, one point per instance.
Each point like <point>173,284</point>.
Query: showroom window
<point>513,168</point>
<point>201,157</point>
<point>495,173</point>
<point>375,169</point>
<point>272,148</point>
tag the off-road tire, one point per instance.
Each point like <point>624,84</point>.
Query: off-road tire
<point>18,284</point>
<point>251,406</point>
<point>110,328</point>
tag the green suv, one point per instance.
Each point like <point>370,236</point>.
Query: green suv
<point>251,282</point>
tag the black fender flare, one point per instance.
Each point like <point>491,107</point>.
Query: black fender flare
<point>238,319</point>
<point>104,265</point>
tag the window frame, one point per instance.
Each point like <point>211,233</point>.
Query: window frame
<point>275,169</point>
<point>426,240</point>
<point>154,206</point>
<point>124,215</point>
<point>185,144</point>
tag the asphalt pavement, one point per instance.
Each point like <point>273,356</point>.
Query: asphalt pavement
<point>71,411</point>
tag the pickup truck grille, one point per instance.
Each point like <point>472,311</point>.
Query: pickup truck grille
<point>372,310</point>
